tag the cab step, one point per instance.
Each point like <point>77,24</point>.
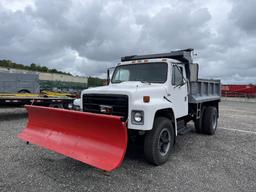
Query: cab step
<point>182,128</point>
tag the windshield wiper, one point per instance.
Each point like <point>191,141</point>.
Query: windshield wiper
<point>117,81</point>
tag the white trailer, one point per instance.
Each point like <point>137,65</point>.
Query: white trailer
<point>15,82</point>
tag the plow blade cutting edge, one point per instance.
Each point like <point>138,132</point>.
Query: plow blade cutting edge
<point>96,139</point>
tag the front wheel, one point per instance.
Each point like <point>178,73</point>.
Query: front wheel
<point>159,142</point>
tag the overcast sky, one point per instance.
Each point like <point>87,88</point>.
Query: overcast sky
<point>86,37</point>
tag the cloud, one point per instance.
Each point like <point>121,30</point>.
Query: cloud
<point>86,37</point>
<point>244,15</point>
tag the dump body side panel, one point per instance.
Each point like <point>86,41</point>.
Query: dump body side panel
<point>204,90</point>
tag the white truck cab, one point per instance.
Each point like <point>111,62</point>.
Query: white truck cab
<point>156,95</point>
<point>155,85</point>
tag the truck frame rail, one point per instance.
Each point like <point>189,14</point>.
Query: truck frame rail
<point>16,100</point>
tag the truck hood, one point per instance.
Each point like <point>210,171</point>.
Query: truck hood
<point>128,88</point>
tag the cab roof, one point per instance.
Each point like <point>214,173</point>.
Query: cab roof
<point>142,61</point>
<point>183,56</point>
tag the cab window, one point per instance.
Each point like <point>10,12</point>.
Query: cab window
<point>123,75</point>
<point>177,75</point>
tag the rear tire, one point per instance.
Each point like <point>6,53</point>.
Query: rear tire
<point>210,120</point>
<point>24,91</point>
<point>56,106</point>
<point>159,142</point>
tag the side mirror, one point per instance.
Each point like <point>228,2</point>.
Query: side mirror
<point>108,77</point>
<point>109,74</point>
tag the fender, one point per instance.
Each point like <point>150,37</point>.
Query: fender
<point>150,110</point>
<point>169,113</point>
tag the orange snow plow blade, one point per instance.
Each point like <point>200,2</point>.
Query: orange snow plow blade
<point>96,139</point>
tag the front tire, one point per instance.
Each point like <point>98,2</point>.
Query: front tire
<point>159,142</point>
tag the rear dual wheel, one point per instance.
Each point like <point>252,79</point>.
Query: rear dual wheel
<point>159,142</point>
<point>24,91</point>
<point>56,105</point>
<point>208,121</point>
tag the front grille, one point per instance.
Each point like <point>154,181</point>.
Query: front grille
<point>119,103</point>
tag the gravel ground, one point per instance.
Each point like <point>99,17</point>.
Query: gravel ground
<point>223,162</point>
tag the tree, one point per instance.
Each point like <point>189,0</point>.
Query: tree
<point>44,69</point>
<point>32,67</point>
<point>94,81</point>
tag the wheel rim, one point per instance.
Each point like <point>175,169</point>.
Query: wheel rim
<point>214,120</point>
<point>164,141</point>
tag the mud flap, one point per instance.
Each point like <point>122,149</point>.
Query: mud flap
<point>96,139</point>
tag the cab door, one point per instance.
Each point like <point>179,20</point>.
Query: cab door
<point>179,90</point>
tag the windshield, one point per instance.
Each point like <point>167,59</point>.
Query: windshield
<point>145,72</point>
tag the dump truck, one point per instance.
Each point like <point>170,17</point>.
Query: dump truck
<point>149,97</point>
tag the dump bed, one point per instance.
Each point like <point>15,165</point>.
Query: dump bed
<point>204,90</point>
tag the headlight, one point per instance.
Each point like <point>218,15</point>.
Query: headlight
<point>138,117</point>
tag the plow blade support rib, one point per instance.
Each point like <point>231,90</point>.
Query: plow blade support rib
<point>96,139</point>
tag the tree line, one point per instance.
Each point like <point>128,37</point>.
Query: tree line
<point>31,67</point>
<point>92,81</point>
